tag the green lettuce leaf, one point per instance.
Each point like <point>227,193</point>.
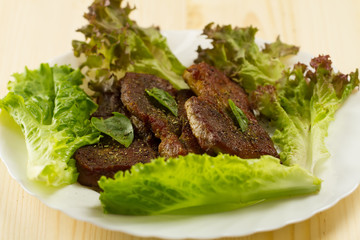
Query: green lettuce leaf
<point>302,108</point>
<point>115,44</point>
<point>53,113</point>
<point>196,184</point>
<point>235,52</point>
<point>278,49</point>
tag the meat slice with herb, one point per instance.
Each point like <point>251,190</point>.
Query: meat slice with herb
<point>108,157</point>
<point>215,89</point>
<point>110,102</point>
<point>163,124</point>
<point>215,132</point>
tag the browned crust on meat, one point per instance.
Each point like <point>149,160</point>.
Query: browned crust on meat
<point>108,103</point>
<point>212,86</point>
<point>216,133</point>
<point>187,137</point>
<point>164,125</point>
<point>108,157</point>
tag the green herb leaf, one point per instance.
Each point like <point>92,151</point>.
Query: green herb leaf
<point>239,115</point>
<point>164,98</point>
<point>118,127</point>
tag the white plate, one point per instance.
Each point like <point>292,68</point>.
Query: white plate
<point>340,174</point>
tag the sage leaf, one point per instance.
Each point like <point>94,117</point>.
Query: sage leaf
<point>164,98</point>
<point>118,127</point>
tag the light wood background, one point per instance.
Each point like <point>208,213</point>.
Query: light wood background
<point>34,31</point>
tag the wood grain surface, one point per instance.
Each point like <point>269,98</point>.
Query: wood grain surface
<point>34,31</point>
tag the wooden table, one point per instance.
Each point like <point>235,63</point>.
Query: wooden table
<point>34,31</point>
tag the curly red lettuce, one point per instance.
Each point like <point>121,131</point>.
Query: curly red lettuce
<point>116,44</point>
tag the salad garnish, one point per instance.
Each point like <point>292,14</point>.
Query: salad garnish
<point>198,184</point>
<point>235,52</point>
<point>164,98</point>
<point>240,116</point>
<point>115,44</point>
<point>55,116</point>
<point>302,108</point>
<point>118,127</point>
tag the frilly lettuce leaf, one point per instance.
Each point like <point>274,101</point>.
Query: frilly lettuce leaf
<point>302,108</point>
<point>278,49</point>
<point>235,52</point>
<point>53,113</point>
<point>115,44</point>
<point>196,184</point>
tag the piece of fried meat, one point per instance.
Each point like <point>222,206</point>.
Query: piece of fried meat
<point>164,125</point>
<point>213,123</point>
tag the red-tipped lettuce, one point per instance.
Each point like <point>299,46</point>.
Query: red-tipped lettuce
<point>235,52</point>
<point>115,44</point>
<point>303,107</point>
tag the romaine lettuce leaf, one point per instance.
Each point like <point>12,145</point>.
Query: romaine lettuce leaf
<point>302,108</point>
<point>196,184</point>
<point>235,52</point>
<point>116,45</point>
<point>53,113</point>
